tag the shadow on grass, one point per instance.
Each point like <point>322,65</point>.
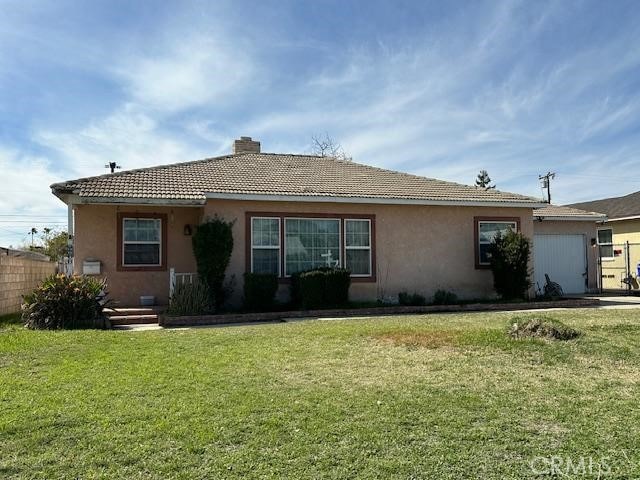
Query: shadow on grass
<point>12,319</point>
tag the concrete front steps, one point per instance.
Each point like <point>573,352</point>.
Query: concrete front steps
<point>120,316</point>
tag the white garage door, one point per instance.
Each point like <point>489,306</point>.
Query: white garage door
<point>563,258</point>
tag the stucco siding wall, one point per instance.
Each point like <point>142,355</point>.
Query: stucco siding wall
<point>588,229</point>
<point>418,248</point>
<point>19,276</point>
<point>96,238</point>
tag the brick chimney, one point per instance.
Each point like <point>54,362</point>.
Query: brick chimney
<point>246,145</point>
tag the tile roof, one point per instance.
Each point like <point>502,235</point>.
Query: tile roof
<point>615,207</point>
<point>557,211</point>
<point>277,174</point>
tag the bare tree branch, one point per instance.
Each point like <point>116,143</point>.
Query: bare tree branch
<point>325,146</point>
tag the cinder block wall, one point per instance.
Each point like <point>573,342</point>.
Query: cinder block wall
<point>18,276</point>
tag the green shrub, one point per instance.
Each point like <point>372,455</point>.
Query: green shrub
<point>413,299</point>
<point>509,257</point>
<point>321,288</point>
<point>540,327</point>
<point>212,247</point>
<point>190,299</point>
<point>260,291</point>
<point>336,288</point>
<point>66,302</point>
<point>312,285</point>
<point>296,297</point>
<point>444,297</point>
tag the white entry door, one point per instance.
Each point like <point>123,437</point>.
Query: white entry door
<point>563,258</point>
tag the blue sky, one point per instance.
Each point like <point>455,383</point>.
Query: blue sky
<point>441,89</point>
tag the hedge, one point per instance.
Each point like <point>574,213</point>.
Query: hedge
<point>321,288</point>
<point>260,291</point>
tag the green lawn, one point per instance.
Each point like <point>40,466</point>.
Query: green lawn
<point>433,396</point>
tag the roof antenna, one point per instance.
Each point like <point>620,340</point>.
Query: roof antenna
<point>113,166</point>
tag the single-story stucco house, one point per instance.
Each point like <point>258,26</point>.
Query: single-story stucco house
<point>618,240</point>
<point>393,231</point>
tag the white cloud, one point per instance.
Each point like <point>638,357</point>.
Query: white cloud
<point>192,71</point>
<point>24,178</point>
<point>129,137</point>
<point>25,198</point>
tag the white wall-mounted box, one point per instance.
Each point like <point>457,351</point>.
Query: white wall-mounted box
<point>91,267</point>
<point>147,301</point>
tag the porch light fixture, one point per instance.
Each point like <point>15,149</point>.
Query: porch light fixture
<point>187,230</point>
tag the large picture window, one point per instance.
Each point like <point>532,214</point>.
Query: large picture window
<point>287,244</point>
<point>605,243</point>
<point>311,243</point>
<point>265,245</point>
<point>141,242</point>
<point>487,230</point>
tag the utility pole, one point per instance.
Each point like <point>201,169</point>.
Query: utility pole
<point>546,183</point>
<point>112,166</point>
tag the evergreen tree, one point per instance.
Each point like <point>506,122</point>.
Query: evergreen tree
<point>484,180</point>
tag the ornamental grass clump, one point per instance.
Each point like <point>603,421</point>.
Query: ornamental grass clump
<point>540,327</point>
<point>62,302</point>
<point>190,299</point>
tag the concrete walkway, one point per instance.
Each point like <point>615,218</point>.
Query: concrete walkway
<point>617,301</point>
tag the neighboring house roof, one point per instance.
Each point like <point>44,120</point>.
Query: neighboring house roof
<point>279,177</point>
<point>557,212</point>
<point>616,208</point>
<point>41,257</point>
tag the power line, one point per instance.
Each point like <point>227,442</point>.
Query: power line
<point>513,173</point>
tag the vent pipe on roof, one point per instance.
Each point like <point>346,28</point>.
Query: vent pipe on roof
<point>246,145</point>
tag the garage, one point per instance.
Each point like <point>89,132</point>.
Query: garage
<point>563,258</point>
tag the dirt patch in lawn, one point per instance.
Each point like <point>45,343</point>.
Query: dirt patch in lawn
<point>424,339</point>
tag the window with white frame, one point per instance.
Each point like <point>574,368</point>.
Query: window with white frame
<point>605,243</point>
<point>141,242</point>
<point>357,241</point>
<point>265,245</point>
<point>311,243</point>
<point>301,243</point>
<point>487,232</point>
